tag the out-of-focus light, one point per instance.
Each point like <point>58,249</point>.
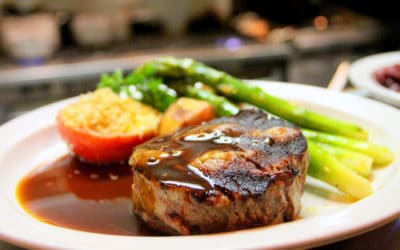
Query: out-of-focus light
<point>231,43</point>
<point>31,62</point>
<point>321,22</point>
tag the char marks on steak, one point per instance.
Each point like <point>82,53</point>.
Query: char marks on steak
<point>230,173</point>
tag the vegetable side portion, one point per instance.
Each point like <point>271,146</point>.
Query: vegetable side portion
<point>340,153</point>
<point>238,90</point>
<point>102,128</point>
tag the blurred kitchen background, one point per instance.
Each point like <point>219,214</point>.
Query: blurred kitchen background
<point>53,49</point>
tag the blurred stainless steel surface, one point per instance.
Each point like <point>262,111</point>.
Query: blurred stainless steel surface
<point>87,67</point>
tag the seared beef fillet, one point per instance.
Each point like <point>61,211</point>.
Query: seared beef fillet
<point>230,173</point>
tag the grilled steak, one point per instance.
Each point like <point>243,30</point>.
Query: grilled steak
<point>230,173</point>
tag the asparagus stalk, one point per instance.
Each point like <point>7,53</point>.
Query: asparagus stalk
<point>238,90</point>
<point>327,168</point>
<point>222,106</point>
<point>359,163</point>
<point>380,154</point>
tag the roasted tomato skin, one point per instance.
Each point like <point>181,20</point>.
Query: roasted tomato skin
<point>103,127</point>
<point>99,149</point>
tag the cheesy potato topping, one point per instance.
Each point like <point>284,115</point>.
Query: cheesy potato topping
<point>106,113</point>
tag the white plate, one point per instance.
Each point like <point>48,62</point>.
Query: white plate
<point>32,139</point>
<point>361,71</point>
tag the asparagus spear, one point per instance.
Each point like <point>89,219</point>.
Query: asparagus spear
<point>380,154</point>
<point>222,106</point>
<point>238,90</point>
<point>359,163</point>
<point>327,168</point>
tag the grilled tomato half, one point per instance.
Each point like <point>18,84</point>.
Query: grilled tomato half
<point>102,127</point>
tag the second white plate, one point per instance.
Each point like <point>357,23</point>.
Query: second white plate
<point>361,71</point>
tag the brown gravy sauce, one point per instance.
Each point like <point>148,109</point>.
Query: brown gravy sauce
<point>76,195</point>
<point>71,194</point>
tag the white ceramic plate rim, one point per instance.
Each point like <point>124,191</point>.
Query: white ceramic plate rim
<point>19,228</point>
<point>361,70</point>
